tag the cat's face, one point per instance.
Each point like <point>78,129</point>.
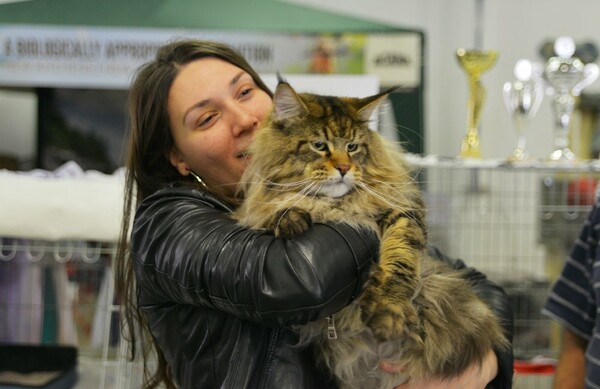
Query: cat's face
<point>333,156</point>
<point>323,143</point>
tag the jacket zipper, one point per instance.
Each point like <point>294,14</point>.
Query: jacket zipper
<point>269,359</point>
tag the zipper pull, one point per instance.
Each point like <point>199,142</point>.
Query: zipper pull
<point>331,332</point>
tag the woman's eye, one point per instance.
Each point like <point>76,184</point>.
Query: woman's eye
<point>206,120</point>
<point>319,145</point>
<point>350,147</point>
<point>245,92</point>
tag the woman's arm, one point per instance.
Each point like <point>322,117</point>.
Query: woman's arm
<point>186,249</point>
<point>496,298</point>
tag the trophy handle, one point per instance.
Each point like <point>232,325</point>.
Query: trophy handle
<point>590,74</point>
<point>506,94</point>
<point>538,80</point>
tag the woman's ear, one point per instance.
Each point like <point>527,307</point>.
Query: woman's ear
<point>177,161</point>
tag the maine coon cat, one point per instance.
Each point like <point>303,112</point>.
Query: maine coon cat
<point>318,161</point>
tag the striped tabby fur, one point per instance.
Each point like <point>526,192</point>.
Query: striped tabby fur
<point>318,161</point>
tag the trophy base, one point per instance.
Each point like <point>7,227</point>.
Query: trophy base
<point>475,154</point>
<point>470,146</point>
<point>562,155</point>
<point>518,155</point>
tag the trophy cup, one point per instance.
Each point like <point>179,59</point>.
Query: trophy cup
<point>474,63</point>
<point>522,99</point>
<point>566,77</point>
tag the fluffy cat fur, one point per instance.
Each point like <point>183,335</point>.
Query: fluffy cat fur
<point>318,161</point>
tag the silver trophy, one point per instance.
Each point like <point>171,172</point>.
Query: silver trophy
<point>522,99</point>
<point>566,77</point>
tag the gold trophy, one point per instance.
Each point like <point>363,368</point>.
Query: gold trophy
<point>474,63</point>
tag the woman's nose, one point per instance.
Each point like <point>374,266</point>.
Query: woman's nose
<point>243,120</point>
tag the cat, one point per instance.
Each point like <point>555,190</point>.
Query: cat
<point>329,166</point>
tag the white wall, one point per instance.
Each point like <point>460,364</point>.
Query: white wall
<point>516,28</point>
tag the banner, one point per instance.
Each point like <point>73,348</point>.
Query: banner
<point>93,57</point>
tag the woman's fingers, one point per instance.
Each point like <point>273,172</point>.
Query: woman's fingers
<point>390,367</point>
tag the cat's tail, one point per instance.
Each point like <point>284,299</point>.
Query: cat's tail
<point>456,328</point>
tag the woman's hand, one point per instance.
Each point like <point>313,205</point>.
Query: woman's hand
<point>475,377</point>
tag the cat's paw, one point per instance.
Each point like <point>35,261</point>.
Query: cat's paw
<point>387,318</point>
<point>291,222</point>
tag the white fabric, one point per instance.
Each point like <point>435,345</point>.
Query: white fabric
<point>103,313</point>
<point>65,296</point>
<point>21,301</point>
<point>65,204</point>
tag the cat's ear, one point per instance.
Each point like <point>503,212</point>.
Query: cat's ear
<point>366,106</point>
<point>286,102</point>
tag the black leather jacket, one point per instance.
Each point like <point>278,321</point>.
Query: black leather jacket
<point>220,298</point>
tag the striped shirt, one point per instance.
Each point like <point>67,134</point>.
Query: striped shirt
<point>573,300</point>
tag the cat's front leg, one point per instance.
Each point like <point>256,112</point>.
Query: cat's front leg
<point>290,222</point>
<point>387,301</point>
<point>386,307</point>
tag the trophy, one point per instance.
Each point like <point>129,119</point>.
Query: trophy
<point>566,77</point>
<point>474,63</point>
<point>522,99</point>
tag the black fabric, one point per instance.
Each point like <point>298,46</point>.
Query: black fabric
<point>31,358</point>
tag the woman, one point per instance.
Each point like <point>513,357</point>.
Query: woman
<point>214,300</point>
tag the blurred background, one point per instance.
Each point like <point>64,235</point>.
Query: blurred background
<point>65,67</point>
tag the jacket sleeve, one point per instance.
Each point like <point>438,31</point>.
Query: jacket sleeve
<point>495,296</point>
<point>189,251</point>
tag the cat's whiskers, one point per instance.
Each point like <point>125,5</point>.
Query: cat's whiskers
<point>397,188</point>
<point>288,186</point>
<point>299,195</point>
<point>401,201</point>
<point>278,186</point>
<point>393,202</point>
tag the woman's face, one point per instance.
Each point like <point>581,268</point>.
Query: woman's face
<point>215,109</point>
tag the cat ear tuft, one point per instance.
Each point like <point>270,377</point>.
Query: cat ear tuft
<point>286,102</point>
<point>366,106</point>
<point>280,79</point>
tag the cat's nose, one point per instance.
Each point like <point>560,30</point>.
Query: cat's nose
<point>343,169</point>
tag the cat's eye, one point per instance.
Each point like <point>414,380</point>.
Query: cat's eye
<point>319,145</point>
<point>350,147</point>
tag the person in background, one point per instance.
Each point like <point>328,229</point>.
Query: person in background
<point>212,301</point>
<point>573,302</point>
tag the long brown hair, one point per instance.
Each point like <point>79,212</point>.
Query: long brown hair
<point>147,170</point>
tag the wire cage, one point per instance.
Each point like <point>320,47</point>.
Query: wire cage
<point>516,224</point>
<point>61,293</point>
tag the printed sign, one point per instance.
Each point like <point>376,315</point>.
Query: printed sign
<point>93,57</point>
<point>395,58</point>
